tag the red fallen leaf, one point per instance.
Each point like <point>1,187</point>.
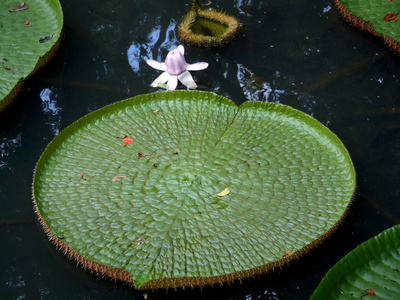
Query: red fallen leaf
<point>127,140</point>
<point>142,155</point>
<point>370,292</point>
<point>19,7</point>
<point>117,177</point>
<point>27,22</point>
<point>390,16</point>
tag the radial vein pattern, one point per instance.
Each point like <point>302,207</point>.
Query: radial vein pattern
<point>134,187</point>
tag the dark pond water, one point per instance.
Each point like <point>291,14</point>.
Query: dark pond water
<point>300,53</point>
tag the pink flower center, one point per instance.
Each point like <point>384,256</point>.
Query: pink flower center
<point>175,62</point>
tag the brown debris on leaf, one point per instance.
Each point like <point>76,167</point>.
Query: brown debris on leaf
<point>45,39</point>
<point>369,292</point>
<point>287,253</point>
<point>390,16</point>
<point>19,7</point>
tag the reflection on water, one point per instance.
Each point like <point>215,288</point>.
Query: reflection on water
<point>138,52</point>
<point>8,147</point>
<point>256,88</point>
<point>51,110</point>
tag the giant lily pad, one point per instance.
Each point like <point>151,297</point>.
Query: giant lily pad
<point>372,269</point>
<point>374,16</point>
<point>184,188</point>
<point>29,38</point>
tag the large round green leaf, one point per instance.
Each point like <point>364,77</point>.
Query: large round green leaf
<point>29,37</point>
<point>372,267</point>
<point>225,192</point>
<point>369,15</point>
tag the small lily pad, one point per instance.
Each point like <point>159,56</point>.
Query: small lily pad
<point>207,27</point>
<point>30,35</point>
<point>157,221</point>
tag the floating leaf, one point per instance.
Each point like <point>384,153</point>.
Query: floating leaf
<point>294,194</point>
<point>20,44</point>
<point>207,27</point>
<point>371,269</point>
<point>371,16</point>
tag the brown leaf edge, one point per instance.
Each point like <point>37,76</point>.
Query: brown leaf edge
<point>361,24</point>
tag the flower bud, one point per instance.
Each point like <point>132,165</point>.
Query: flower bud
<point>175,62</point>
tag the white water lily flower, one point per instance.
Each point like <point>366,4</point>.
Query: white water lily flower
<point>175,67</point>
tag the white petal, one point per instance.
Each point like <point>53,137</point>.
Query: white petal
<point>164,77</point>
<point>197,66</point>
<point>181,49</point>
<point>156,65</point>
<point>172,83</point>
<point>187,80</point>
